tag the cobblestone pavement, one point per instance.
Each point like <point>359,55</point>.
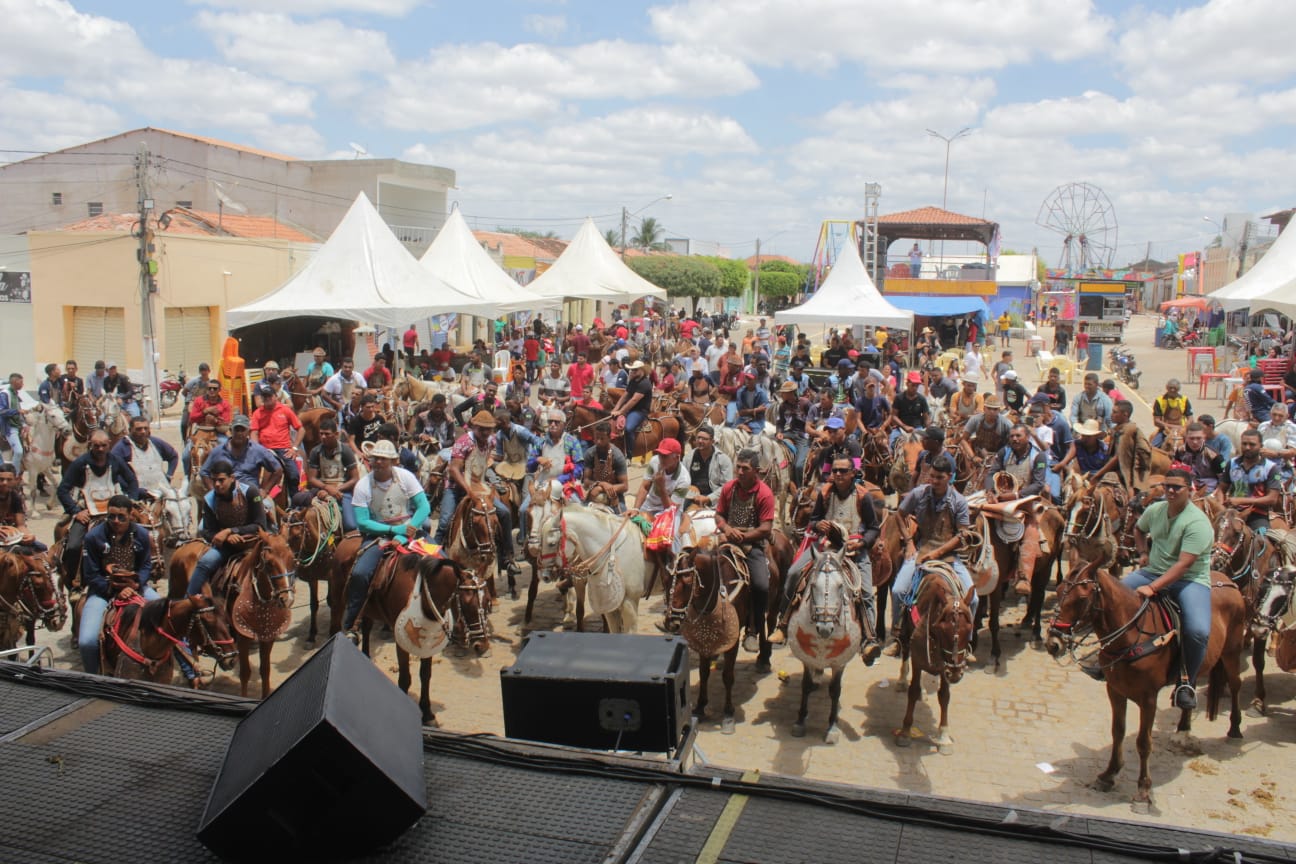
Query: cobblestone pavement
<point>1033,735</point>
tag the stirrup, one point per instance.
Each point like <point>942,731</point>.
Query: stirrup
<point>779,636</point>
<point>353,635</point>
<point>1185,696</point>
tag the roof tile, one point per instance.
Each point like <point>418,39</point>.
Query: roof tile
<point>931,216</point>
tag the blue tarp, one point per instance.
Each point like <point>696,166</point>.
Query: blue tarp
<point>936,306</point>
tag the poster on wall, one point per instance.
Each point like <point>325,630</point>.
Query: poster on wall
<point>15,287</point>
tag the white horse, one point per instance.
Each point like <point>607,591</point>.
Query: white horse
<point>47,423</point>
<point>601,552</point>
<point>775,461</point>
<point>1232,430</point>
<point>824,632</point>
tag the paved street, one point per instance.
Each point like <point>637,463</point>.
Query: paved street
<point>1033,735</point>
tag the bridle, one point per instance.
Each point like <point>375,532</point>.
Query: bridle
<point>279,594</point>
<point>953,660</point>
<point>1073,634</point>
<point>27,606</point>
<point>324,532</point>
<point>480,521</point>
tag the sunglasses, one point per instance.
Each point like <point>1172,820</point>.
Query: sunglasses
<point>842,470</point>
<point>1173,487</point>
<point>118,517</point>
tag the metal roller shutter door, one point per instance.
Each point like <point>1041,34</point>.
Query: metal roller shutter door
<point>188,338</point>
<point>98,333</point>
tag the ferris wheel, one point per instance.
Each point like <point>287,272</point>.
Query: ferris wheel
<point>1084,216</point>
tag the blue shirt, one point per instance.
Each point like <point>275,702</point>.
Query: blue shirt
<point>248,468</point>
<point>1222,445</point>
<point>1258,401</point>
<point>96,545</point>
<point>1091,462</point>
<point>748,399</point>
<point>873,412</point>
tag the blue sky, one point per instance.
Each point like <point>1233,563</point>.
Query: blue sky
<point>761,117</point>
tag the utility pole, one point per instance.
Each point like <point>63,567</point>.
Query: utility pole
<point>148,278</point>
<point>624,217</point>
<point>756,284</point>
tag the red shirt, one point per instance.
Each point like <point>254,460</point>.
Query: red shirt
<point>765,506</point>
<point>202,403</point>
<point>411,339</point>
<point>531,348</point>
<point>1082,341</point>
<point>687,328</point>
<point>580,375</point>
<point>274,426</point>
<point>377,377</point>
<point>621,331</point>
<point>580,344</point>
<point>441,358</point>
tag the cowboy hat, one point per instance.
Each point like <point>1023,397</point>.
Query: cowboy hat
<point>992,402</point>
<point>484,419</point>
<point>970,378</point>
<point>1088,428</point>
<point>380,449</point>
<point>633,365</point>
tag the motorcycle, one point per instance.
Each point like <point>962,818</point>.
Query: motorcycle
<point>170,388</point>
<point>1189,339</point>
<point>1121,361</point>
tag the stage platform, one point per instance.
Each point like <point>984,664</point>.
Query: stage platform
<point>96,771</point>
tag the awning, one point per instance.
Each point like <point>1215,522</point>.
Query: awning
<point>936,307</point>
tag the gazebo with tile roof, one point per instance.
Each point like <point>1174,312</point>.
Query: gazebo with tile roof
<point>928,223</point>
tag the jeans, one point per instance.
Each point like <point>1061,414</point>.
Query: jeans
<point>306,496</point>
<point>450,501</point>
<point>291,475</point>
<point>358,584</point>
<point>904,590</point>
<point>868,597</point>
<point>633,420</point>
<point>1054,482</point>
<point>210,562</point>
<point>800,450</point>
<point>14,436</point>
<point>92,619</point>
<point>758,568</point>
<point>72,548</point>
<point>1194,601</point>
<point>754,425</point>
<point>131,408</point>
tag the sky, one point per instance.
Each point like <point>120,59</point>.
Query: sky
<point>759,118</point>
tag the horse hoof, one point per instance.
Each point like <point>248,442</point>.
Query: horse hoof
<point>1255,709</point>
<point>945,748</point>
<point>1102,784</point>
<point>798,730</point>
<point>832,736</point>
<point>902,738</point>
<point>1142,808</point>
<point>727,726</point>
<point>309,645</point>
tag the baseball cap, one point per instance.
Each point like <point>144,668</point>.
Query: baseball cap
<point>670,445</point>
<point>915,377</point>
<point>1041,399</point>
<point>240,421</point>
<point>934,433</point>
<point>1010,375</point>
<point>834,423</point>
<point>265,390</point>
<point>844,364</point>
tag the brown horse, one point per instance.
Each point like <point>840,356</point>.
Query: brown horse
<point>471,539</point>
<point>939,644</point>
<point>1093,528</point>
<point>310,419</point>
<point>140,639</point>
<point>447,594</point>
<point>255,593</point>
<point>29,593</point>
<point>313,533</point>
<point>653,431</point>
<point>1014,560</point>
<point>1137,654</point>
<point>1251,561</point>
<point>875,456</point>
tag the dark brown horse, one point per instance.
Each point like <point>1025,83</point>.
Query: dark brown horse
<point>448,595</point>
<point>1017,562</point>
<point>1137,652</point>
<point>937,644</point>
<point>313,533</point>
<point>29,593</point>
<point>656,429</point>
<point>255,593</point>
<point>471,539</point>
<point>140,639</point>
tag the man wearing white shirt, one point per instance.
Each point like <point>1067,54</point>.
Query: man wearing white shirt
<point>716,352</point>
<point>338,389</point>
<point>972,363</point>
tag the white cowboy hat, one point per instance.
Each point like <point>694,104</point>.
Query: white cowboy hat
<point>382,449</point>
<point>1088,428</point>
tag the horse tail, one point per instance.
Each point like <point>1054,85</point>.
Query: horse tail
<point>1218,681</point>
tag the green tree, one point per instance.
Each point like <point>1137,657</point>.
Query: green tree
<point>649,236</point>
<point>734,275</point>
<point>613,238</point>
<point>530,235</point>
<point>782,278</point>
<point>680,276</point>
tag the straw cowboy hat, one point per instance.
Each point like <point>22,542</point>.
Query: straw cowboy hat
<point>381,449</point>
<point>484,419</point>
<point>1088,428</point>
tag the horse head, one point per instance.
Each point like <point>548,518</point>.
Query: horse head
<point>829,596</point>
<point>275,566</point>
<point>949,630</point>
<point>468,600</point>
<point>176,519</point>
<point>550,533</point>
<point>1230,534</point>
<point>545,498</point>
<point>1273,603</point>
<point>29,589</point>
<point>209,631</point>
<point>1077,600</point>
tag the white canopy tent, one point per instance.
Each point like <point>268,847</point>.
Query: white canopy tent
<point>847,297</point>
<point>362,273</point>
<point>1270,284</point>
<point>588,269</point>
<point>456,257</point>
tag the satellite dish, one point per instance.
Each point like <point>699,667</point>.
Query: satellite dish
<point>226,201</point>
<point>359,150</point>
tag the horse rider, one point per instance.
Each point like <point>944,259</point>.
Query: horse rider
<point>1258,400</point>
<point>967,402</point>
<point>1052,387</point>
<point>872,408</point>
<point>486,400</point>
<point>933,445</point>
<point>745,518</point>
<point>709,468</point>
<point>1090,453</point>
<point>987,432</point>
<point>70,385</point>
<point>557,455</point>
<point>253,464</point>
<point>362,427</point>
<point>208,411</point>
<point>664,490</point>
<point>605,466</point>
<point>95,380</point>
<point>229,515</point>
<point>434,426</point>
<point>748,406</point>
<point>332,471</point>
<point>1220,443</point>
<point>390,506</point>
<point>12,419</point>
<point>1177,562</point>
<point>513,442</point>
<point>634,403</point>
<point>338,389</point>
<point>791,426</point>
<point>1027,465</point>
<point>844,514</point>
<point>88,484</point>
<point>1056,443</point>
<point>1015,396</point>
<point>1207,466</point>
<point>1131,453</point>
<point>194,388</point>
<point>469,459</point>
<point>116,564</point>
<point>318,373</point>
<point>1278,440</point>
<point>406,458</point>
<point>1254,483</point>
<point>153,460</point>
<point>1170,412</point>
<point>909,408</point>
<point>834,443</point>
<point>555,387</point>
<point>1092,404</point>
<point>50,390</point>
<point>941,513</point>
<point>13,508</point>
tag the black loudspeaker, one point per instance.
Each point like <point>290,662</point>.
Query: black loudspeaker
<point>601,691</point>
<point>330,765</point>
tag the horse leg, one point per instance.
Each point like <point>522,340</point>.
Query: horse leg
<point>403,670</point>
<point>425,699</point>
<point>799,727</point>
<point>704,675</point>
<point>365,630</point>
<point>995,604</point>
<point>264,650</point>
<point>313,631</point>
<point>580,607</point>
<point>1107,779</point>
<point>532,589</point>
<point>832,734</point>
<point>1257,707</point>
<point>944,744</point>
<point>245,664</point>
<point>904,739</point>
<point>1147,714</point>
<point>727,721</point>
<point>1232,665</point>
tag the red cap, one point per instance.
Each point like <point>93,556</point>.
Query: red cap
<point>670,445</point>
<point>915,377</point>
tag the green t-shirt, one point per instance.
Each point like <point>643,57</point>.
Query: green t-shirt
<point>1190,531</point>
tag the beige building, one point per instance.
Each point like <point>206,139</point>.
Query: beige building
<point>208,175</point>
<point>86,297</point>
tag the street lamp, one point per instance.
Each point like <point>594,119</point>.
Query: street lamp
<point>948,139</point>
<point>625,217</point>
<point>1218,227</point>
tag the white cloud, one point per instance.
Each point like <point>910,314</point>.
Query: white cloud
<point>321,51</point>
<point>35,120</point>
<point>546,26</point>
<point>463,86</point>
<point>945,35</point>
<point>390,8</point>
<point>51,38</point>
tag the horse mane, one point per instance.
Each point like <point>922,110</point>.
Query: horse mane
<point>153,613</point>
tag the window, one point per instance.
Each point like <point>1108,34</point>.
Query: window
<point>95,208</point>
<point>188,205</point>
<point>57,199</point>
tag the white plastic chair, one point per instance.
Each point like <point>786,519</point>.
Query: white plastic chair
<point>501,366</point>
